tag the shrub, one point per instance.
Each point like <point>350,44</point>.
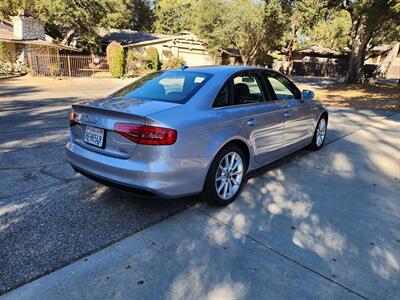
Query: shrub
<point>115,59</point>
<point>135,64</point>
<point>6,66</point>
<point>173,63</point>
<point>152,59</point>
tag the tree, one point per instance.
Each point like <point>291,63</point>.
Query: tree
<point>371,20</point>
<point>332,31</point>
<point>171,16</point>
<point>12,7</point>
<point>67,19</point>
<point>206,20</point>
<point>250,26</point>
<point>303,15</point>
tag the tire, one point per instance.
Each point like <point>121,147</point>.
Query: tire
<point>217,178</point>
<point>319,134</point>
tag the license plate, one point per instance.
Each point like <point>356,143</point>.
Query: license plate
<point>94,136</point>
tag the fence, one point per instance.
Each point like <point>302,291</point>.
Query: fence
<point>66,65</point>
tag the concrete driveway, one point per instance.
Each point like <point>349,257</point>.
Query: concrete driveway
<point>315,225</point>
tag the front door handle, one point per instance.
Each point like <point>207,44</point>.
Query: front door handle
<point>287,114</point>
<point>251,122</point>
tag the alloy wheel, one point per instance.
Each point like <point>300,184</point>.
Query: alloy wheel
<point>229,175</point>
<point>321,132</point>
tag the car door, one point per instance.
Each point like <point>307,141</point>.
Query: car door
<point>297,115</point>
<point>259,118</point>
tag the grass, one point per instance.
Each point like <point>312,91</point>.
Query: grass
<point>361,96</point>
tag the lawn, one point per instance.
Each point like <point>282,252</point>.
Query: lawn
<point>365,96</point>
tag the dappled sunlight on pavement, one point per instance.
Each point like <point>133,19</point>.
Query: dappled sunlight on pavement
<point>336,210</point>
<point>314,225</point>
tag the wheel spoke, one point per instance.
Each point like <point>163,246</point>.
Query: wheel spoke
<point>219,178</point>
<point>235,165</point>
<point>219,188</point>
<point>232,162</point>
<point>225,190</point>
<point>235,181</point>
<point>226,161</point>
<point>236,173</point>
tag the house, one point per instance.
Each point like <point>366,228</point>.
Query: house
<point>387,58</point>
<point>317,60</point>
<point>125,37</point>
<point>184,45</point>
<point>25,36</point>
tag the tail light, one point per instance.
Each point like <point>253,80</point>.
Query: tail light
<point>72,117</point>
<point>147,135</point>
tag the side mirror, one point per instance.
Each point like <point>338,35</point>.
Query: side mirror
<point>307,95</point>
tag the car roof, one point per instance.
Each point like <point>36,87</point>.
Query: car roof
<point>218,70</point>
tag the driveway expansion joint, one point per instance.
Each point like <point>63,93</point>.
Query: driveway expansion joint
<point>277,252</point>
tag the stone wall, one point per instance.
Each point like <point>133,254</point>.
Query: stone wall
<point>28,28</point>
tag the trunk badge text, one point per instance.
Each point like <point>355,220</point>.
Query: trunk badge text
<point>91,119</point>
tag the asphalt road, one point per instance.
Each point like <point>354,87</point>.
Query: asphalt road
<point>49,216</point>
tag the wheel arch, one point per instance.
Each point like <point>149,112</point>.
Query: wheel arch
<point>242,145</point>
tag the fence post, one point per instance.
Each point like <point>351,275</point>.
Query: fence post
<point>69,65</point>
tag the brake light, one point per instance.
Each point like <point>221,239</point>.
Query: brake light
<point>147,135</point>
<point>72,117</point>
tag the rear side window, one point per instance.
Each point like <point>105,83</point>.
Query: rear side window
<point>223,97</point>
<point>168,86</point>
<point>283,88</point>
<point>247,89</point>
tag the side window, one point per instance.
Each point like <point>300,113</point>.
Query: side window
<point>247,89</point>
<point>223,97</point>
<point>283,88</point>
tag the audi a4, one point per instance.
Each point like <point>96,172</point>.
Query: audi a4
<point>197,130</point>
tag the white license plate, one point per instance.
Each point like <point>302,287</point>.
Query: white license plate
<point>94,136</point>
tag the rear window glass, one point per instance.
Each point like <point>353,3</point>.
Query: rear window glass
<point>169,86</point>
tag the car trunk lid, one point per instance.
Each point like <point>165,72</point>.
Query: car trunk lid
<point>104,114</point>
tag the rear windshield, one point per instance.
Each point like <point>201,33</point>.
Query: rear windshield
<point>168,86</point>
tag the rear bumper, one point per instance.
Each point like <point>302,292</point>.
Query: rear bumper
<point>167,177</point>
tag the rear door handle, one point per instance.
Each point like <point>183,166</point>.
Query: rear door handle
<point>287,114</point>
<point>251,122</point>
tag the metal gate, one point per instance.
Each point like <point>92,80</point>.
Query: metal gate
<point>66,65</point>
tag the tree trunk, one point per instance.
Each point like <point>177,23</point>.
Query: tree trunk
<point>384,66</point>
<point>68,38</point>
<point>288,65</point>
<point>360,39</point>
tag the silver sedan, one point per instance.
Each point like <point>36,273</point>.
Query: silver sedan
<point>193,130</point>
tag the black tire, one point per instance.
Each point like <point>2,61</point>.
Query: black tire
<point>209,193</point>
<point>314,145</point>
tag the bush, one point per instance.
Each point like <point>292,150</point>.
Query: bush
<point>152,59</point>
<point>173,63</point>
<point>135,64</point>
<point>115,59</point>
<point>6,66</point>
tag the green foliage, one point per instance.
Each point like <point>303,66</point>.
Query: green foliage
<point>173,63</point>
<point>83,18</point>
<point>6,66</point>
<point>152,58</point>
<point>171,16</point>
<point>5,53</point>
<point>332,32</point>
<point>116,59</point>
<point>250,26</point>
<point>136,64</point>
<point>132,64</point>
